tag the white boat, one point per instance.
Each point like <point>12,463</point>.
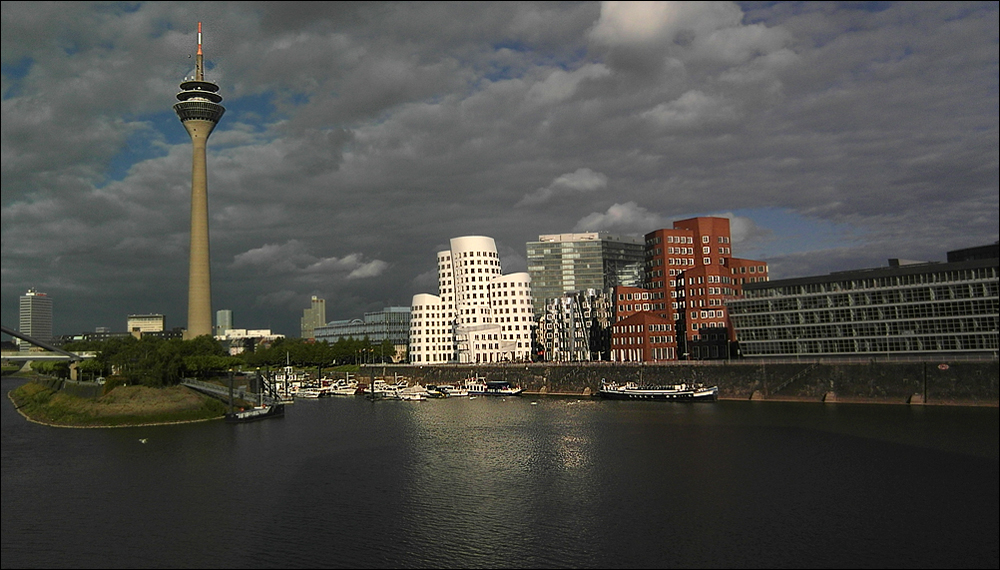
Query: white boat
<point>382,390</point>
<point>308,393</point>
<point>414,393</point>
<point>288,382</point>
<point>342,387</point>
<point>635,391</point>
<point>256,413</point>
<point>451,391</point>
<point>477,385</point>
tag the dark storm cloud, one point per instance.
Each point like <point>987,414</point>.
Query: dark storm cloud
<point>360,137</point>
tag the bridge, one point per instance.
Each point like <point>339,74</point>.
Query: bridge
<point>226,394</point>
<point>54,353</point>
<point>60,354</point>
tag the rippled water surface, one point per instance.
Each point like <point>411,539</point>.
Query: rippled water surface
<point>511,483</point>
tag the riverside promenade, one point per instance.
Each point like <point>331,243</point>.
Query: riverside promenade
<point>870,380</point>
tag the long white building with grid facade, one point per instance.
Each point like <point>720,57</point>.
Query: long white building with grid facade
<point>926,308</point>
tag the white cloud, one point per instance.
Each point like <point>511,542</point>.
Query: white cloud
<point>692,32</point>
<point>561,85</point>
<point>643,22</point>
<point>581,181</point>
<point>692,109</point>
<point>745,231</point>
<point>627,218</point>
<point>293,259</point>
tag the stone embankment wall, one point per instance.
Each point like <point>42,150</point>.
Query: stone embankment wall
<point>939,382</point>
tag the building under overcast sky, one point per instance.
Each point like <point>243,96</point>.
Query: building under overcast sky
<point>35,317</point>
<point>358,137</point>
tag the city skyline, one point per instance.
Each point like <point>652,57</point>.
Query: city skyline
<point>359,139</point>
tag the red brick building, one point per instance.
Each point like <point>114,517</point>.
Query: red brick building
<point>690,274</point>
<point>643,337</point>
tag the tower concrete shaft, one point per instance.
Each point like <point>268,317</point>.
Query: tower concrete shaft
<point>199,111</point>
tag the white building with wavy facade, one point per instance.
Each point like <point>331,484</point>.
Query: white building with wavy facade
<point>479,315</point>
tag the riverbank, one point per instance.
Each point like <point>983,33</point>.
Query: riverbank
<point>125,406</point>
<point>944,382</point>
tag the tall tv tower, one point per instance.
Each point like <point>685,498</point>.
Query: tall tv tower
<point>199,111</point>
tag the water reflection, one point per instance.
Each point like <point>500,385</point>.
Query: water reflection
<point>511,482</point>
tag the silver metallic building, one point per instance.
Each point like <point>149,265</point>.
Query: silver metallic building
<point>577,326</point>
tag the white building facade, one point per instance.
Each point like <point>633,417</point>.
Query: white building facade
<point>145,323</point>
<point>479,315</point>
<point>35,317</point>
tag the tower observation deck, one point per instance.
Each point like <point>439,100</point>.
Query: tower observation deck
<point>199,111</point>
<point>198,99</point>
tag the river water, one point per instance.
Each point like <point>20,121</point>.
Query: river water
<point>511,483</point>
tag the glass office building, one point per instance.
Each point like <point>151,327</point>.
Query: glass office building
<point>391,323</point>
<point>564,263</point>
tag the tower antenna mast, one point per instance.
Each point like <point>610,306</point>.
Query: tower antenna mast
<point>199,69</point>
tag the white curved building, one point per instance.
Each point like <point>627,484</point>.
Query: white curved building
<point>478,315</point>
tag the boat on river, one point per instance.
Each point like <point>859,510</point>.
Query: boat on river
<point>255,413</point>
<point>308,393</point>
<point>269,403</point>
<point>342,387</point>
<point>414,393</point>
<point>479,386</point>
<point>451,391</point>
<point>445,391</point>
<point>679,392</point>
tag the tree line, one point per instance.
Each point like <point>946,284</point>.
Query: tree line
<point>161,362</point>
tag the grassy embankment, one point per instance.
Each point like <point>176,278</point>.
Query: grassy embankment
<point>122,406</point>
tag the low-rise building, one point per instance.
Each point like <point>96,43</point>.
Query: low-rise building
<point>138,325</point>
<point>643,337</point>
<point>391,323</point>
<point>905,308</point>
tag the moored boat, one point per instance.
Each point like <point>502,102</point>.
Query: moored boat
<point>269,407</point>
<point>308,393</point>
<point>256,413</point>
<point>435,391</point>
<point>634,391</point>
<point>343,387</point>
<point>451,391</point>
<point>479,386</point>
<point>414,393</point>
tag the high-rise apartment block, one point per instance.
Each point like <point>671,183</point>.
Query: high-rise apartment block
<point>313,317</point>
<point>478,315</point>
<point>691,273</point>
<point>35,317</point>
<point>565,263</point>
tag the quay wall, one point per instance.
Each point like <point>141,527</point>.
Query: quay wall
<point>937,382</point>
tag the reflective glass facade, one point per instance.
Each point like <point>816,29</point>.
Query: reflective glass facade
<point>564,263</point>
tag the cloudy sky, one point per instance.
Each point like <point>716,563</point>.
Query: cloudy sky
<point>359,138</point>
